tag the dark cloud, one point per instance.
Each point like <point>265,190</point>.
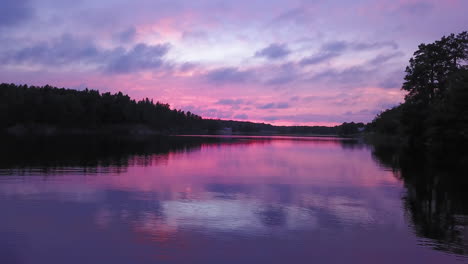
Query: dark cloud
<point>327,51</point>
<point>187,66</point>
<point>229,75</point>
<point>282,105</point>
<point>70,51</point>
<point>279,105</point>
<point>382,58</point>
<point>241,116</point>
<point>140,57</point>
<point>359,74</point>
<point>337,48</point>
<point>362,46</point>
<point>266,106</point>
<point>58,52</point>
<point>274,51</point>
<point>13,12</point>
<point>127,35</point>
<point>230,102</point>
<point>317,58</point>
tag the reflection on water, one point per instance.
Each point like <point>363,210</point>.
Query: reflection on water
<point>435,199</point>
<point>219,200</point>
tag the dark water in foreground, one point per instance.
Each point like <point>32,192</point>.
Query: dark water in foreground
<point>205,200</point>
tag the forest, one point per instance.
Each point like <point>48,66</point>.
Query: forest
<point>36,107</point>
<point>50,110</point>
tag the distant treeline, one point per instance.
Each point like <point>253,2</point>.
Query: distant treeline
<point>32,106</point>
<point>251,127</point>
<point>434,115</point>
<point>47,109</point>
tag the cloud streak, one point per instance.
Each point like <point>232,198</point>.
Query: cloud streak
<point>335,49</point>
<point>279,105</point>
<point>140,57</point>
<point>229,75</point>
<point>274,51</point>
<point>73,52</point>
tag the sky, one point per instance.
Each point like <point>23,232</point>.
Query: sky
<point>284,62</point>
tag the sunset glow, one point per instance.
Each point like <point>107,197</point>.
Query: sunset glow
<point>279,62</point>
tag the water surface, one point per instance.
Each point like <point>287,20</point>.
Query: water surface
<point>224,200</point>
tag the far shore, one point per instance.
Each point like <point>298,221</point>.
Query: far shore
<point>143,130</point>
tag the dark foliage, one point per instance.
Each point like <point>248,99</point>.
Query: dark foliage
<point>350,128</point>
<point>44,110</point>
<point>387,122</point>
<point>88,109</point>
<point>434,114</point>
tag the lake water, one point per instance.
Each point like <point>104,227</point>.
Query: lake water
<point>220,200</point>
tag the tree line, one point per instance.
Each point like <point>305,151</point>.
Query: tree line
<point>88,109</point>
<point>34,108</point>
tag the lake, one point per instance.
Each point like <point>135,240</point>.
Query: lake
<point>223,200</point>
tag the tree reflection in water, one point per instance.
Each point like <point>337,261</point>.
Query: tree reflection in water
<point>436,198</point>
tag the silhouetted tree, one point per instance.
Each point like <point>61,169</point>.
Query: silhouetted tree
<point>65,108</point>
<point>432,65</point>
<point>434,112</point>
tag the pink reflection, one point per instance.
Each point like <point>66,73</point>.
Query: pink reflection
<point>318,162</point>
<point>254,160</point>
<point>247,161</point>
<point>244,186</point>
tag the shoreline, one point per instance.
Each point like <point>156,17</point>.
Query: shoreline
<point>31,130</point>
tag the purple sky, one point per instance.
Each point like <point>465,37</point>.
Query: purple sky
<point>281,62</point>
